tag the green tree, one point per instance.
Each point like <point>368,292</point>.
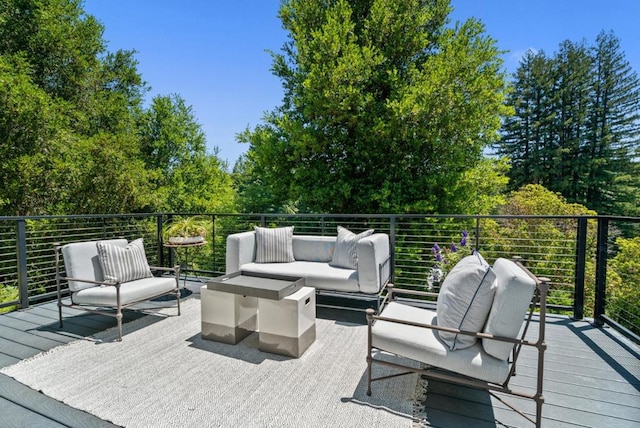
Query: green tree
<point>623,293</point>
<point>384,108</point>
<point>527,137</point>
<point>173,145</point>
<point>551,242</point>
<point>65,113</point>
<point>614,139</point>
<point>73,130</point>
<point>576,125</point>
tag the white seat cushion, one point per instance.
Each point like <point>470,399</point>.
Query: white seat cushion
<point>424,345</point>
<point>316,274</point>
<point>133,291</point>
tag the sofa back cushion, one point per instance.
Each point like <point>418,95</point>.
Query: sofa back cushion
<point>313,248</point>
<point>513,296</point>
<point>81,261</point>
<point>465,299</point>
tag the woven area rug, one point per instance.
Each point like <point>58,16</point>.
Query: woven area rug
<point>164,375</point>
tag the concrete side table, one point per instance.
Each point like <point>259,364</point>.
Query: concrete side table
<point>288,326</point>
<point>227,317</point>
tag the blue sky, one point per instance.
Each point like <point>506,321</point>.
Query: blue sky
<point>213,53</point>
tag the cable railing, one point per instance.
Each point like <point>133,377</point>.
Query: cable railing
<point>589,259</point>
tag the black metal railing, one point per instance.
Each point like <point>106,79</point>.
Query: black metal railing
<point>579,254</point>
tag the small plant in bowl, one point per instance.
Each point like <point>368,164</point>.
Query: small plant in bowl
<point>186,230</point>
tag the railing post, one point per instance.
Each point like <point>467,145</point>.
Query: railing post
<point>392,247</point>
<point>478,233</point>
<point>21,252</point>
<point>581,257</point>
<point>601,271</point>
<point>171,256</point>
<point>159,240</point>
<point>213,243</point>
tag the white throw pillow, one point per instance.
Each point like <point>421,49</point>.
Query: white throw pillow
<point>123,264</point>
<point>274,245</point>
<point>465,300</point>
<point>345,254</point>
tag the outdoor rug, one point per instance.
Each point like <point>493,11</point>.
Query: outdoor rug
<point>163,374</point>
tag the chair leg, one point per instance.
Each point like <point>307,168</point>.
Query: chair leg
<point>539,403</point>
<point>119,318</point>
<point>60,314</point>
<point>369,313</point>
<point>369,373</point>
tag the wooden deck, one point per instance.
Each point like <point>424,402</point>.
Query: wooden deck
<point>592,376</point>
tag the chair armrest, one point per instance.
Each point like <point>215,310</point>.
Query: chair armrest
<point>374,267</point>
<point>90,281</point>
<point>241,249</point>
<point>175,269</point>
<point>372,317</point>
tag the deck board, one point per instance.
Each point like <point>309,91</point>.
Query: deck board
<point>592,376</point>
<point>21,406</point>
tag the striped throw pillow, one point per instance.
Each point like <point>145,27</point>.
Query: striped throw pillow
<point>274,245</point>
<point>345,254</point>
<point>123,264</point>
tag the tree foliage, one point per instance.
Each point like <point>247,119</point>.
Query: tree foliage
<point>75,136</point>
<point>547,244</point>
<point>385,107</point>
<point>623,293</point>
<point>576,126</point>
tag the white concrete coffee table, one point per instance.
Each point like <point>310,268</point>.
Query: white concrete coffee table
<point>281,309</point>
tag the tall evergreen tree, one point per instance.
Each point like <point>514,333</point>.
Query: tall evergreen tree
<point>526,140</point>
<point>614,139</point>
<point>575,128</point>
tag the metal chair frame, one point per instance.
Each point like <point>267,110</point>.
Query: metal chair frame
<point>539,300</point>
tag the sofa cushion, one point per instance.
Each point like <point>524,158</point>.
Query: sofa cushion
<point>465,300</point>
<point>123,264</point>
<point>313,248</point>
<point>345,254</point>
<point>274,245</point>
<point>81,261</point>
<point>130,292</point>
<point>316,274</point>
<point>425,345</point>
<point>513,296</point>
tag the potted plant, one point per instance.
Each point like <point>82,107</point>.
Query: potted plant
<point>186,230</point>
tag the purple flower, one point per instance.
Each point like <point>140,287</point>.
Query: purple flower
<point>454,248</point>
<point>463,241</point>
<point>435,248</point>
<point>438,257</point>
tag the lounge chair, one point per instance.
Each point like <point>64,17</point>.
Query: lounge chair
<point>109,275</point>
<point>483,356</point>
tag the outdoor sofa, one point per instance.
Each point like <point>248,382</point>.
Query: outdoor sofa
<point>345,262</point>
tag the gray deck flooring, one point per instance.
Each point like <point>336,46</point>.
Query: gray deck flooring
<point>592,377</point>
